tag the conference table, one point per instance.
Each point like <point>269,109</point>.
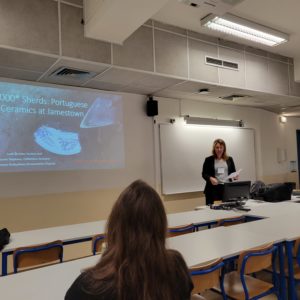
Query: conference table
<point>77,233</point>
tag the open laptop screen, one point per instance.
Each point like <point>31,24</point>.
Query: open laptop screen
<point>235,191</point>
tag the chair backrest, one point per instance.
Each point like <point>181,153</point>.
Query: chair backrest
<point>206,276</point>
<point>231,221</point>
<point>296,249</point>
<point>256,259</point>
<point>98,242</point>
<point>179,230</point>
<point>25,257</point>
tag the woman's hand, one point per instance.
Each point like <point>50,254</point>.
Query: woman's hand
<point>236,177</point>
<point>213,180</point>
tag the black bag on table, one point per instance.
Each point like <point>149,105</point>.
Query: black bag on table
<point>4,237</point>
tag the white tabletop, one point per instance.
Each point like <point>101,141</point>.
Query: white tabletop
<point>203,246</point>
<point>269,209</point>
<point>47,283</point>
<point>278,228</point>
<point>201,216</point>
<point>205,215</point>
<point>199,247</point>
<point>64,233</point>
<point>52,282</point>
<point>85,230</point>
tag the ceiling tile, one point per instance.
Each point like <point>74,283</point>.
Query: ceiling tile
<point>103,85</point>
<point>138,90</point>
<point>19,74</point>
<point>24,60</point>
<point>156,81</point>
<point>119,76</point>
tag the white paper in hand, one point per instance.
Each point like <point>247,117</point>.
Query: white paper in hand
<point>234,174</point>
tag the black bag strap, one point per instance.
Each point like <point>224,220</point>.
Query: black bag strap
<point>4,237</point>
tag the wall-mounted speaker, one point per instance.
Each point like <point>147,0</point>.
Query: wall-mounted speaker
<point>152,107</point>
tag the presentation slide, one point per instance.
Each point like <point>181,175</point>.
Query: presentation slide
<point>53,128</point>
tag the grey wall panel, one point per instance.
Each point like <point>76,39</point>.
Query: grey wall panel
<point>77,2</point>
<point>256,72</point>
<point>137,51</point>
<point>171,54</point>
<point>230,77</point>
<point>26,61</point>
<point>198,68</point>
<point>203,37</point>
<point>169,28</point>
<point>19,74</point>
<point>278,78</point>
<point>294,86</point>
<point>74,44</point>
<point>30,24</point>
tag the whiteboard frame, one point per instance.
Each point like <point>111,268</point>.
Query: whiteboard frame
<point>177,177</point>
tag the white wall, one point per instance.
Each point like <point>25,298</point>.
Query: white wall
<point>270,134</point>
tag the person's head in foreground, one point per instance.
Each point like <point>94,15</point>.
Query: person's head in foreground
<point>136,264</point>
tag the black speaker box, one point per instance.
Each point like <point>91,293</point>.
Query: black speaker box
<point>152,108</point>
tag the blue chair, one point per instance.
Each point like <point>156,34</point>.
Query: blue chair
<point>240,285</point>
<point>293,267</point>
<point>98,243</point>
<point>179,230</point>
<point>32,256</point>
<point>208,276</point>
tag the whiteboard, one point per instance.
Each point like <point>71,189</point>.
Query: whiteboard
<point>183,149</point>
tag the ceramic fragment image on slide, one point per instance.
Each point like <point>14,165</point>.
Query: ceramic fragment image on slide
<point>57,141</point>
<point>103,112</point>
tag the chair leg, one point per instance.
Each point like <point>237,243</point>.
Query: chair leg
<point>291,288</point>
<point>282,282</point>
<point>222,284</point>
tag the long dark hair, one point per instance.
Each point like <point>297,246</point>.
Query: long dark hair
<point>136,263</point>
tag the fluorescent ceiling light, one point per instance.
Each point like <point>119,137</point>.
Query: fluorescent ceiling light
<point>242,28</point>
<point>216,122</point>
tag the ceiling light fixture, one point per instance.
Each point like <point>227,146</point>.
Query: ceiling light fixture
<point>282,119</point>
<point>242,28</point>
<point>216,122</point>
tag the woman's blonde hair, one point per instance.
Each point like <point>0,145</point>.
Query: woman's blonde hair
<point>222,143</point>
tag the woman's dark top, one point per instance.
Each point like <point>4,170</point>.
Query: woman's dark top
<point>208,171</point>
<point>183,286</point>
